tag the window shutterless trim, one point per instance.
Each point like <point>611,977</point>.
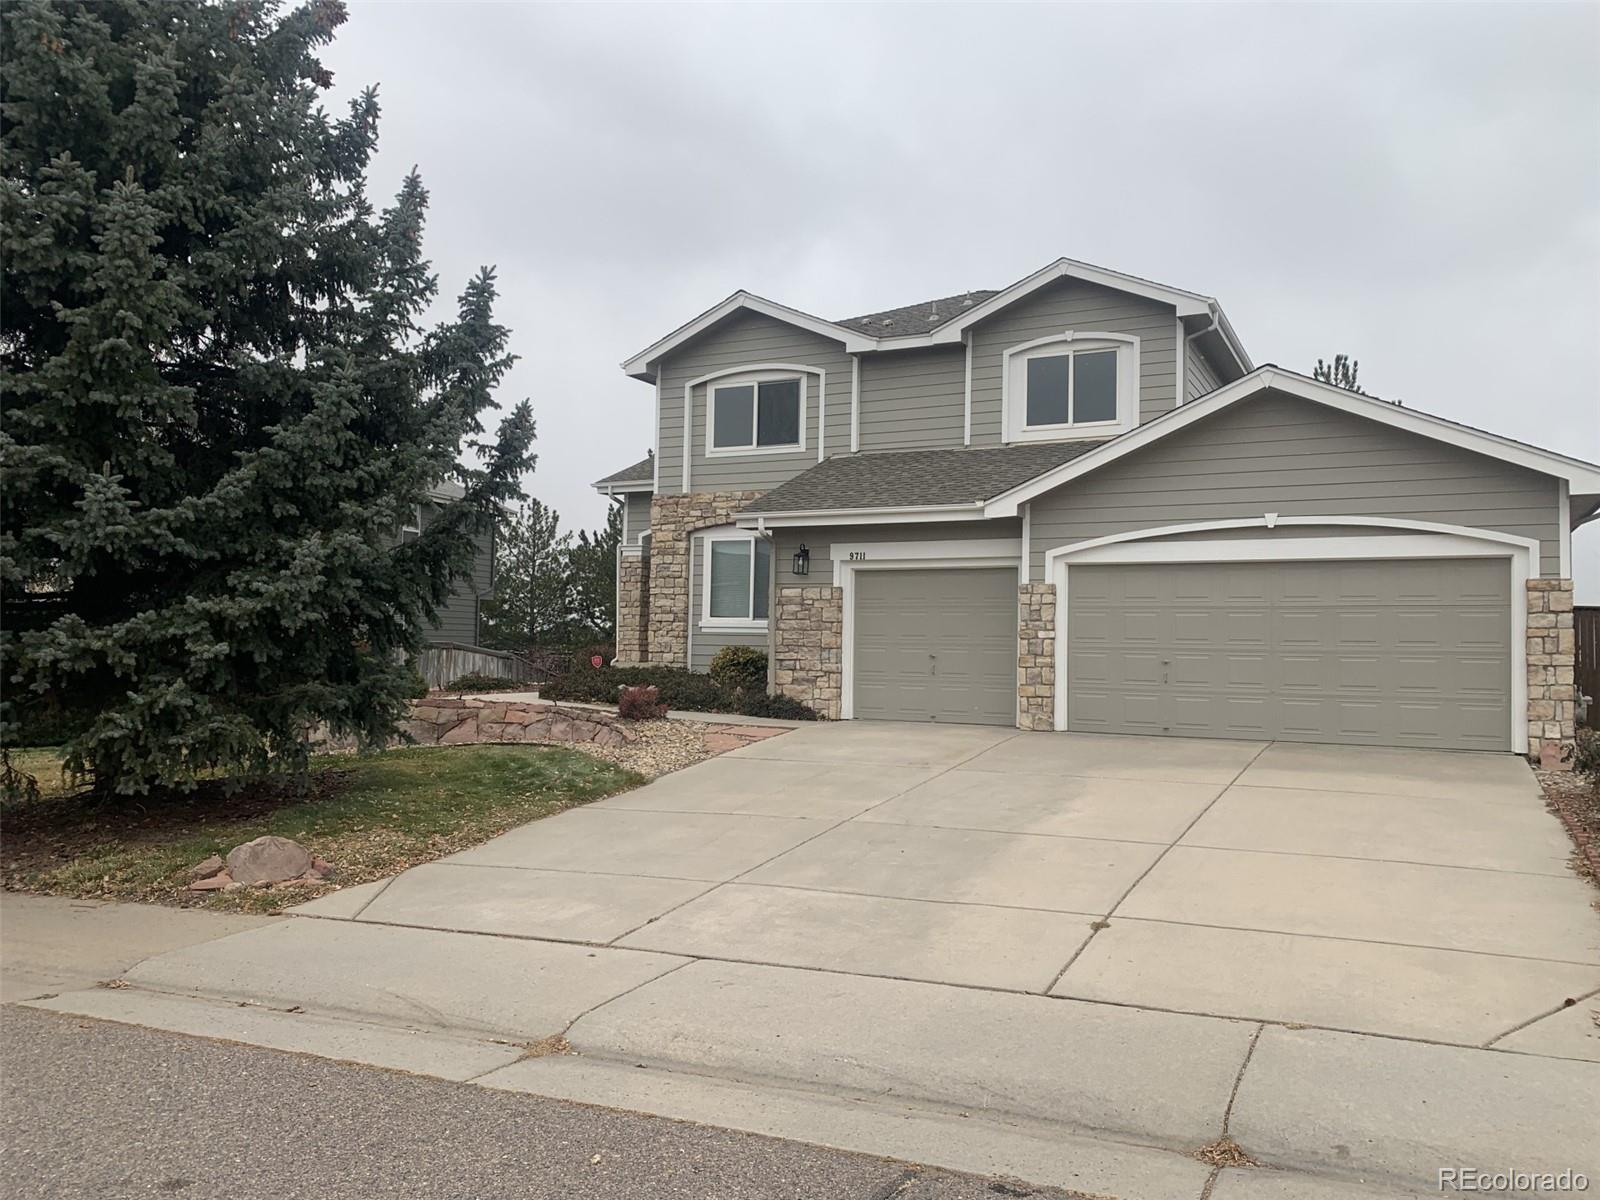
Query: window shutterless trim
<point>1014,399</point>
<point>750,624</point>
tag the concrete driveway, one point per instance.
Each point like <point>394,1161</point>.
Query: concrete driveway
<point>1395,892</point>
<point>1152,941</point>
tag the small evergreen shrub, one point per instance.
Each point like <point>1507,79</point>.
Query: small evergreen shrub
<point>1586,753</point>
<point>473,682</point>
<point>641,704</point>
<point>583,660</point>
<point>686,691</point>
<point>740,669</point>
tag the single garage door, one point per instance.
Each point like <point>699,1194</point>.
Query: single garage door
<point>936,645</point>
<point>1384,653</point>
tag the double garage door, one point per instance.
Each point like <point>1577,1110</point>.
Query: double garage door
<point>1382,652</point>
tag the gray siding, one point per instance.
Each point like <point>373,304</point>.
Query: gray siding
<point>914,399</point>
<point>747,339</point>
<point>1076,305</point>
<point>458,617</point>
<point>1298,458</point>
<point>704,644</point>
<point>637,519</point>
<point>819,540</point>
<point>1198,375</point>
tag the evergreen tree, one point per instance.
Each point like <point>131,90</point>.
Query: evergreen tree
<point>592,577</point>
<point>532,600</point>
<point>1341,372</point>
<point>218,401</point>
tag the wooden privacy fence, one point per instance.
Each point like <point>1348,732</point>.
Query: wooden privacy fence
<point>447,661</point>
<point>1586,675</point>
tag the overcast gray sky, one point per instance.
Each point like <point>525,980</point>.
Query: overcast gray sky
<point>1416,185</point>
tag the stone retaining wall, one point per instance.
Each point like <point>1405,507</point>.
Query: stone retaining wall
<point>451,722</point>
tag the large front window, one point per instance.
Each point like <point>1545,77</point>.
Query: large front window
<point>737,576</point>
<point>758,414</point>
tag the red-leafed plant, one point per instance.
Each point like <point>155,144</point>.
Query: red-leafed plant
<point>641,704</point>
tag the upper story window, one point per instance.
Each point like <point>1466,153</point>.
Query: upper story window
<point>413,522</point>
<point>738,574</point>
<point>1070,386</point>
<point>761,413</point>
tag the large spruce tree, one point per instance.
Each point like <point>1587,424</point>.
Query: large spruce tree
<point>217,398</point>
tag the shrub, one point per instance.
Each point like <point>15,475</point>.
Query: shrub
<point>740,669</point>
<point>473,682</point>
<point>677,688</point>
<point>781,708</point>
<point>641,704</point>
<point>1586,753</point>
<point>583,659</point>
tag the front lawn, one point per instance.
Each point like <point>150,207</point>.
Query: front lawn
<point>369,817</point>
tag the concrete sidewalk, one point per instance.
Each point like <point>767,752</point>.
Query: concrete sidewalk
<point>1076,960</point>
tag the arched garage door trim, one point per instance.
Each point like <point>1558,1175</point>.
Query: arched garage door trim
<point>1369,538</point>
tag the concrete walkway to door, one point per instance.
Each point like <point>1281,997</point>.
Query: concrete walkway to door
<point>1362,963</point>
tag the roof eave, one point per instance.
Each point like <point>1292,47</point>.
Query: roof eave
<point>971,510</point>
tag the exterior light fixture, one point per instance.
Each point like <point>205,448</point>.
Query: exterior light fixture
<point>802,560</point>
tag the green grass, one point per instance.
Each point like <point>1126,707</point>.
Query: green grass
<point>369,817</point>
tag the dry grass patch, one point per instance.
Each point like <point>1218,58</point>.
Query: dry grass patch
<point>370,817</point>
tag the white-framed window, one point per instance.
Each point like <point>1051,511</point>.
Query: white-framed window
<point>413,521</point>
<point>1071,385</point>
<point>763,412</point>
<point>736,576</point>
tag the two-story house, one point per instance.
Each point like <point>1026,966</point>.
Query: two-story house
<point>1076,504</point>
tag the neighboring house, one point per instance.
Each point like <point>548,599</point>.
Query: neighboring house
<point>1076,504</point>
<point>461,617</point>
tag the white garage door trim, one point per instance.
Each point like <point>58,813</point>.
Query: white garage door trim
<point>851,557</point>
<point>1419,539</point>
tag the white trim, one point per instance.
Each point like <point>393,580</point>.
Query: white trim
<point>641,364</point>
<point>655,459</point>
<point>1013,413</point>
<point>864,516</point>
<point>1025,565</point>
<point>753,376</point>
<point>902,556</point>
<point>1585,477</point>
<point>709,623</point>
<point>855,403</point>
<point>1416,539</point>
<point>1182,343</point>
<point>624,534</point>
<point>1564,531</point>
<point>966,409</point>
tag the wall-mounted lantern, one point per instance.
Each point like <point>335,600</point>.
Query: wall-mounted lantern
<point>802,560</point>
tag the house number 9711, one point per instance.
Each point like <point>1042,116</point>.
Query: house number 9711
<point>857,555</point>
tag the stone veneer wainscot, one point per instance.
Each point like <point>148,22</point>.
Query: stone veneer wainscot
<point>1036,656</point>
<point>672,520</point>
<point>1552,656</point>
<point>808,657</point>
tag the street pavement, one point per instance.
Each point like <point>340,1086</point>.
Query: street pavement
<point>92,1109</point>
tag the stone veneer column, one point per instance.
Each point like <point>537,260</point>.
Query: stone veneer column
<point>672,520</point>
<point>808,659</point>
<point>633,603</point>
<point>1036,656</point>
<point>1552,654</point>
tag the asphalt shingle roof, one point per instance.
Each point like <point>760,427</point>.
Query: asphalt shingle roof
<point>642,471</point>
<point>915,478</point>
<point>915,318</point>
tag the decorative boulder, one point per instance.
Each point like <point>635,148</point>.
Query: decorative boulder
<point>268,860</point>
<point>205,868</point>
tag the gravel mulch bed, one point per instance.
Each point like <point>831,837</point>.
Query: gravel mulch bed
<point>1575,799</point>
<point>661,747</point>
